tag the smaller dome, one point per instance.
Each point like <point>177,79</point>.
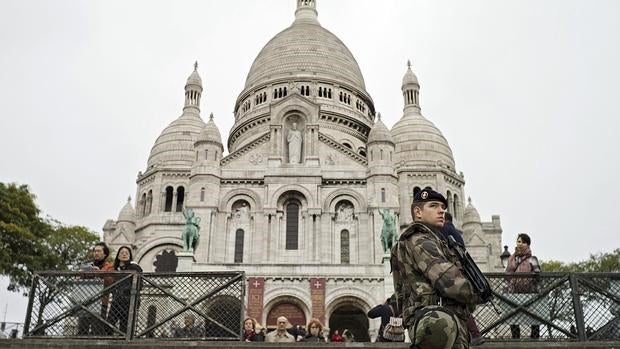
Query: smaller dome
<point>410,77</point>
<point>210,132</point>
<point>127,214</point>
<point>379,132</point>
<point>194,78</point>
<point>470,214</point>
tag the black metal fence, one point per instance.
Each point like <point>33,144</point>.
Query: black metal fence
<point>537,307</point>
<point>552,307</point>
<point>129,305</point>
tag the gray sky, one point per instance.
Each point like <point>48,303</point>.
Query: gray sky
<point>525,92</point>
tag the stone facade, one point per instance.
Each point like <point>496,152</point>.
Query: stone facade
<point>305,228</point>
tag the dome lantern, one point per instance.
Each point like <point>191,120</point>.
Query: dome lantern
<point>411,91</point>
<point>193,89</point>
<point>306,11</point>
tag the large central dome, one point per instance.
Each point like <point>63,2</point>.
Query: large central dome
<point>305,49</point>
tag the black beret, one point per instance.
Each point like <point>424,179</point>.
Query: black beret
<point>427,194</point>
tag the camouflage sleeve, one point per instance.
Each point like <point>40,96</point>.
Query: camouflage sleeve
<point>445,277</point>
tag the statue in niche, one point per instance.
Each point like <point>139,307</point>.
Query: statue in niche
<point>344,213</point>
<point>388,232</point>
<point>191,233</point>
<point>242,213</point>
<point>294,145</point>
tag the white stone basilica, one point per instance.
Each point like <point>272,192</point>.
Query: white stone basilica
<point>295,203</point>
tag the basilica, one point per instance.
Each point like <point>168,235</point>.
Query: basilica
<point>297,201</point>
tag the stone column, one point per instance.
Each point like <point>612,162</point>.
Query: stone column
<point>388,281</point>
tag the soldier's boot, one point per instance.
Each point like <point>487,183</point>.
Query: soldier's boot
<point>535,332</point>
<point>515,331</point>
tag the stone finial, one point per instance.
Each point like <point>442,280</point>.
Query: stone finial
<point>409,63</point>
<point>211,116</point>
<point>469,200</point>
<point>379,116</point>
<point>195,65</point>
<point>129,198</point>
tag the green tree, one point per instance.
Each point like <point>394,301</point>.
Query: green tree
<point>597,263</point>
<point>29,243</point>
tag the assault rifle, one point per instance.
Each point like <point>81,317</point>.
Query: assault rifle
<point>472,272</point>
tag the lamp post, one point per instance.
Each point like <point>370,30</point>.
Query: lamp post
<point>505,256</point>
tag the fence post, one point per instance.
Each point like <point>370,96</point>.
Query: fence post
<point>133,301</point>
<point>33,288</point>
<point>581,327</point>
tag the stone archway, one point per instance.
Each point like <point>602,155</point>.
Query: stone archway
<point>292,312</point>
<point>351,317</point>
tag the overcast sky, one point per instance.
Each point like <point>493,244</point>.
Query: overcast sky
<point>525,92</point>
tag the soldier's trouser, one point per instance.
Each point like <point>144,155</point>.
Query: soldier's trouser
<point>447,334</point>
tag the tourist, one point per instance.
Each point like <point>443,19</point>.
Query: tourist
<point>384,311</point>
<point>336,337</point>
<point>190,330</point>
<point>315,332</point>
<point>119,310</point>
<point>280,335</point>
<point>88,324</point>
<point>522,261</point>
<point>250,328</point>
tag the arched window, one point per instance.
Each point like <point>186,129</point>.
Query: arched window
<point>372,155</point>
<point>292,226</point>
<point>202,194</point>
<point>143,205</point>
<point>180,199</point>
<point>344,247</point>
<point>449,200</point>
<point>206,154</point>
<point>169,196</point>
<point>320,92</point>
<point>381,152</point>
<point>149,202</point>
<point>455,205</point>
<point>239,246</point>
<point>347,145</point>
<point>382,194</point>
<point>329,93</point>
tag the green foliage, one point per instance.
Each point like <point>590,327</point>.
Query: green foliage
<point>29,243</point>
<point>597,263</point>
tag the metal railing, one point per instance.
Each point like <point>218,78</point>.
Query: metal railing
<point>536,307</point>
<point>552,307</point>
<point>136,306</point>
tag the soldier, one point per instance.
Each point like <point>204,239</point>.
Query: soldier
<point>433,294</point>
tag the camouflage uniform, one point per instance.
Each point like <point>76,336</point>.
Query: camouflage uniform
<point>428,273</point>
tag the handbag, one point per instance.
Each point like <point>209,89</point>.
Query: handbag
<point>394,331</point>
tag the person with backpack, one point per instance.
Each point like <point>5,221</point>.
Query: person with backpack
<point>385,311</point>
